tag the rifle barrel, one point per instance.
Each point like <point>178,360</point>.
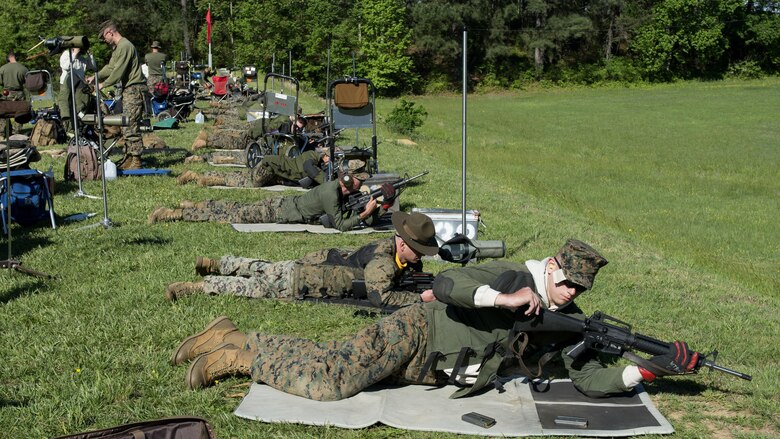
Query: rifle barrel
<point>714,366</point>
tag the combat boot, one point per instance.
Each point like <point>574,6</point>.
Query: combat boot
<point>130,163</point>
<point>205,266</point>
<point>187,177</point>
<point>220,330</point>
<point>203,134</point>
<point>224,360</point>
<point>163,214</point>
<point>198,144</point>
<point>193,159</point>
<point>177,290</point>
<point>211,180</point>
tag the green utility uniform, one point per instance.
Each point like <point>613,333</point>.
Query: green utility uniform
<point>12,82</point>
<point>153,62</point>
<point>302,209</point>
<point>325,272</point>
<point>272,169</point>
<point>124,68</point>
<point>399,345</point>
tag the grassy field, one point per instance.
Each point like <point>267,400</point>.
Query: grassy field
<point>676,185</point>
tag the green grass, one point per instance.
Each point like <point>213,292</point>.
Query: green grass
<point>676,185</point>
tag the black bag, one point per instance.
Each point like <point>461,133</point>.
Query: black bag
<point>180,427</point>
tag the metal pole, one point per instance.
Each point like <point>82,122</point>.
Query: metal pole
<point>8,188</point>
<point>74,117</point>
<point>463,139</point>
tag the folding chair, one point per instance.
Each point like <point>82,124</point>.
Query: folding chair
<point>38,83</point>
<point>351,102</point>
<point>220,89</point>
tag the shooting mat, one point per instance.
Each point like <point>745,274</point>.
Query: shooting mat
<point>518,411</point>
<point>311,228</point>
<point>141,172</point>
<point>274,188</point>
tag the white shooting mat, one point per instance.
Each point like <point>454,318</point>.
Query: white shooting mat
<point>274,188</point>
<point>518,410</point>
<point>311,228</point>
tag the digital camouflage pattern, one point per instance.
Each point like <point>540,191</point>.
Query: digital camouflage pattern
<point>262,211</point>
<point>133,109</point>
<point>228,138</point>
<point>580,262</point>
<point>393,347</point>
<point>269,171</point>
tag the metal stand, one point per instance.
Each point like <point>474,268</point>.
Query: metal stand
<point>106,221</point>
<point>11,263</point>
<point>74,117</point>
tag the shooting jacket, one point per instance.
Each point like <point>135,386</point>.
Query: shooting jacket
<point>123,68</point>
<point>323,199</point>
<point>454,322</point>
<point>379,269</point>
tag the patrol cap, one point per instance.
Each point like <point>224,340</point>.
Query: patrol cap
<point>108,24</point>
<point>357,169</point>
<point>417,230</point>
<point>156,45</point>
<point>580,262</point>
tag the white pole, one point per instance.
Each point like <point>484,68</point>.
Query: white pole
<point>463,139</point>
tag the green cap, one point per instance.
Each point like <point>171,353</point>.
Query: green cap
<point>580,262</point>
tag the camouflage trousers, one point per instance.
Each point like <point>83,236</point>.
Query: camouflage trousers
<point>151,80</point>
<point>133,109</point>
<point>226,156</point>
<point>279,280</point>
<point>228,138</point>
<point>16,127</point>
<point>224,211</point>
<point>258,176</point>
<point>393,347</point>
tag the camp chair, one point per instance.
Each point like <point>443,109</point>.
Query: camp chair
<point>276,104</point>
<point>220,89</point>
<point>351,102</point>
<point>38,83</point>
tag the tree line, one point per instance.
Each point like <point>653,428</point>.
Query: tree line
<point>416,46</point>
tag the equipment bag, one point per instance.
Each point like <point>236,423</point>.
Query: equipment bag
<point>47,132</point>
<point>180,427</point>
<point>28,199</point>
<point>90,164</point>
<point>161,89</point>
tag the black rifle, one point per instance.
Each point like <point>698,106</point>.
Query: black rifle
<point>410,281</point>
<point>606,334</point>
<point>357,201</point>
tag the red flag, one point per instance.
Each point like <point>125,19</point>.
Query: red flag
<point>208,26</point>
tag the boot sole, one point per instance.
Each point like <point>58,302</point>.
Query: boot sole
<point>183,344</point>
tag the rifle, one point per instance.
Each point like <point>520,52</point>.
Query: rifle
<point>410,281</point>
<point>609,335</point>
<point>357,201</point>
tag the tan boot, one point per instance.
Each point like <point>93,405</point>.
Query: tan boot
<point>163,214</point>
<point>205,266</point>
<point>203,134</point>
<point>224,360</point>
<point>193,159</point>
<point>187,177</point>
<point>186,204</point>
<point>211,180</point>
<point>177,290</point>
<point>219,331</point>
<point>198,144</point>
<point>130,163</point>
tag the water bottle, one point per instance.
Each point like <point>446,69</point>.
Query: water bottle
<point>109,169</point>
<point>199,118</point>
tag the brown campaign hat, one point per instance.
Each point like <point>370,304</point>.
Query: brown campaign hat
<point>156,45</point>
<point>417,230</point>
<point>580,262</point>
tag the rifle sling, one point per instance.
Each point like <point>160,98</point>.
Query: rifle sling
<point>430,363</point>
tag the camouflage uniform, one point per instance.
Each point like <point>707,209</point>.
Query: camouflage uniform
<point>229,138</point>
<point>12,81</point>
<point>325,272</point>
<point>393,347</point>
<point>124,68</point>
<point>300,209</point>
<point>271,169</point>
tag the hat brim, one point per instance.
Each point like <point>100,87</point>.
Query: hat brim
<point>428,248</point>
<point>362,176</point>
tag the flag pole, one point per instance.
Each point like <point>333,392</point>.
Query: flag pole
<point>208,32</point>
